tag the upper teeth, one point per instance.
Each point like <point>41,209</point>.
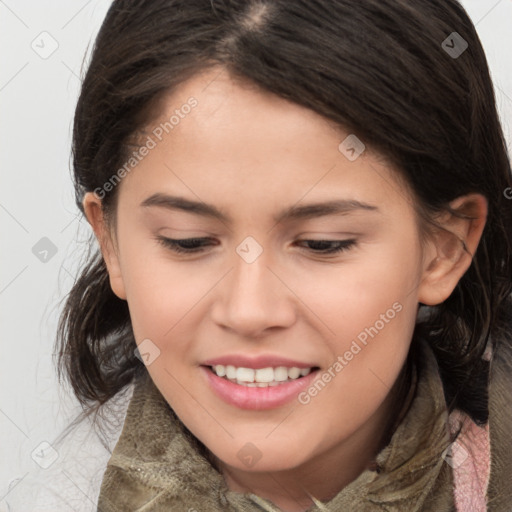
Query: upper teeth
<point>260,375</point>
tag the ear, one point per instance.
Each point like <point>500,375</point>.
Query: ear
<point>95,217</point>
<point>450,250</point>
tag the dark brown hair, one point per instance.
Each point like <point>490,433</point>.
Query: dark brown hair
<point>379,69</point>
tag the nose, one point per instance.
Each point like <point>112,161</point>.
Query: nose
<point>253,298</point>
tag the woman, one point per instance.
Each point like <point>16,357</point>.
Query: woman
<point>304,229</point>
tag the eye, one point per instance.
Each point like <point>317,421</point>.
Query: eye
<point>186,245</point>
<point>329,246</point>
<point>195,245</point>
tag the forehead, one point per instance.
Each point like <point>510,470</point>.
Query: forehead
<point>231,114</point>
<point>221,138</point>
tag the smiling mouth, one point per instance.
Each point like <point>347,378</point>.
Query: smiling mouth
<point>260,377</point>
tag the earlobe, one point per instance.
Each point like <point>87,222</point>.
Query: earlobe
<point>451,249</point>
<point>94,214</point>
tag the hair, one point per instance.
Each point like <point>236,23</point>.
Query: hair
<point>377,69</point>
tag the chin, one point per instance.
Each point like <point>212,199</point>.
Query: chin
<point>262,457</point>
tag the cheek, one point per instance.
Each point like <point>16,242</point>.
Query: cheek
<point>369,307</point>
<point>159,291</point>
<point>368,351</point>
<point>353,295</point>
<point>161,295</point>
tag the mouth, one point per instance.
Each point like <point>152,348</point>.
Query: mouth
<point>260,377</point>
<point>258,388</point>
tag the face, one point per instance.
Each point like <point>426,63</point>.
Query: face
<point>321,299</point>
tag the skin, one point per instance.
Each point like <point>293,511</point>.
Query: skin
<point>252,154</point>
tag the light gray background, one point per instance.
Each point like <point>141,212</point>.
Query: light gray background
<point>37,99</point>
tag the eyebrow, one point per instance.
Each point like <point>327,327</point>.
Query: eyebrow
<point>295,212</point>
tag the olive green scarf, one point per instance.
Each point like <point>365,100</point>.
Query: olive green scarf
<point>157,465</point>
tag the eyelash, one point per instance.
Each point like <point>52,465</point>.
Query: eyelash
<point>174,245</point>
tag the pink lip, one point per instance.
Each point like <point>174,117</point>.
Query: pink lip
<point>263,361</point>
<point>255,398</point>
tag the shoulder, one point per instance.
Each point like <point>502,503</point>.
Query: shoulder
<point>500,427</point>
<point>70,476</point>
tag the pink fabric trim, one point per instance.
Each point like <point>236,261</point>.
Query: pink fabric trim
<point>470,458</point>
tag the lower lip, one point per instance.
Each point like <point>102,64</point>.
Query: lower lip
<point>255,398</point>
